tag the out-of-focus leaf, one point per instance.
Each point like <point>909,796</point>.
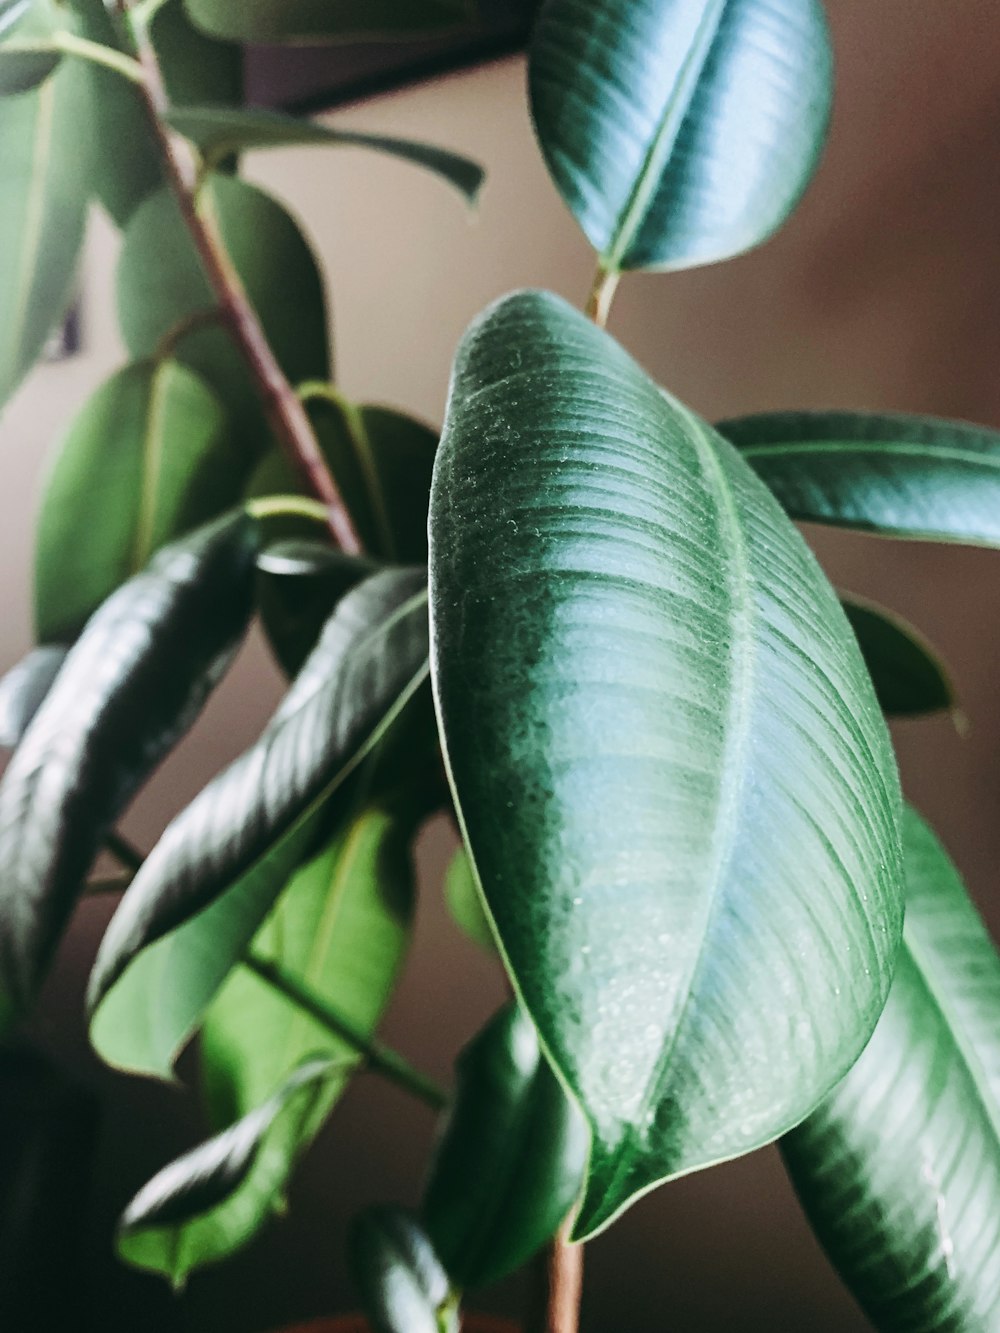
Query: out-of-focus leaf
<point>127,691</point>
<point>222,1187</point>
<point>899,476</point>
<point>511,1161</point>
<point>401,1280</point>
<point>46,151</point>
<point>209,883</point>
<point>31,23</point>
<point>680,133</point>
<point>218,132</point>
<point>160,284</point>
<point>673,775</point>
<point>909,677</point>
<point>325,20</point>
<point>23,689</point>
<point>899,1170</point>
<point>151,455</point>
<point>465,902</point>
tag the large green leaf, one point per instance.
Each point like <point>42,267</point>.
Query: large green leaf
<point>401,1280</point>
<point>151,454</point>
<point>160,283</point>
<point>45,149</point>
<point>680,133</point>
<point>319,20</point>
<point>899,476</point>
<point>128,690</point>
<point>24,688</point>
<point>511,1161</point>
<point>219,132</point>
<point>189,1212</point>
<point>899,1170</point>
<point>26,23</point>
<point>673,775</point>
<point>909,677</point>
<point>209,883</point>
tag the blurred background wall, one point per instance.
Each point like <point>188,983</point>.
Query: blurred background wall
<point>883,292</point>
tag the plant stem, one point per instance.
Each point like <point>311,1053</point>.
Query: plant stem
<point>278,506</point>
<point>560,1287</point>
<point>379,1058</point>
<point>124,851</point>
<point>602,294</point>
<point>72,45</point>
<point>285,412</point>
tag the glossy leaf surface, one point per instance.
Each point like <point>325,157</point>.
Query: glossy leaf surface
<point>45,148</point>
<point>212,1190</point>
<point>899,476</point>
<point>209,883</point>
<point>160,283</point>
<point>680,133</point>
<point>128,690</point>
<point>909,678</point>
<point>150,452</point>
<point>511,1161</point>
<point>672,771</point>
<point>318,20</point>
<point>899,1170</point>
<point>465,901</point>
<point>404,1287</point>
<point>26,23</point>
<point>23,689</point>
<point>219,132</point>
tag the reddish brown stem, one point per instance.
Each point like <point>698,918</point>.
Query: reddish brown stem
<point>560,1287</point>
<point>285,412</point>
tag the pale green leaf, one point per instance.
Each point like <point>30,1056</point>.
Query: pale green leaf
<point>324,20</point>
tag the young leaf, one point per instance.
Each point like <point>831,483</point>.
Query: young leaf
<point>128,690</point>
<point>160,284</point>
<point>512,1159</point>
<point>680,133</point>
<point>465,903</point>
<point>179,1218</point>
<point>23,689</point>
<point>150,452</point>
<point>319,20</point>
<point>45,148</point>
<point>401,1280</point>
<point>191,911</point>
<point>218,132</point>
<point>909,678</point>
<point>899,476</point>
<point>899,1170</point>
<point>672,772</point>
<point>28,23</point>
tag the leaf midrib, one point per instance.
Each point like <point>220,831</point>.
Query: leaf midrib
<point>879,447</point>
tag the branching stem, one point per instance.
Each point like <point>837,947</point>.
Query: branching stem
<point>602,294</point>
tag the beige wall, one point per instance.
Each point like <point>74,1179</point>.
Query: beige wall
<point>884,291</point>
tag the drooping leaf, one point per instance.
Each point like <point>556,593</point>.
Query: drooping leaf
<point>899,1170</point>
<point>680,133</point>
<point>218,132</point>
<point>151,454</point>
<point>23,689</point>
<point>45,149</point>
<point>26,23</point>
<point>213,1189</point>
<point>465,903</point>
<point>215,874</point>
<point>400,1278</point>
<point>909,677</point>
<point>160,284</point>
<point>512,1159</point>
<point>324,20</point>
<point>128,690</point>
<point>667,755</point>
<point>899,476</point>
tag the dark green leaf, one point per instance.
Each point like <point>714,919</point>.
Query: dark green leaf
<point>680,133</point>
<point>28,23</point>
<point>908,675</point>
<point>45,149</point>
<point>160,283</point>
<point>23,689</point>
<point>899,476</point>
<point>512,1159</point>
<point>128,690</point>
<point>151,454</point>
<point>402,1283</point>
<point>205,889</point>
<point>324,20</point>
<point>465,901</point>
<point>212,1188</point>
<point>672,771</point>
<point>218,132</point>
<point>899,1170</point>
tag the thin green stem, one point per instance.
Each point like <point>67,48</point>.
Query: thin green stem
<point>379,1058</point>
<point>144,11</point>
<point>71,45</point>
<point>124,851</point>
<point>602,295</point>
<point>280,506</point>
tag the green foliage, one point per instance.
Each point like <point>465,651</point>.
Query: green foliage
<point>26,24</point>
<point>23,689</point>
<point>318,20</point>
<point>633,650</point>
<point>465,902</point>
<point>404,1286</point>
<point>909,678</point>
